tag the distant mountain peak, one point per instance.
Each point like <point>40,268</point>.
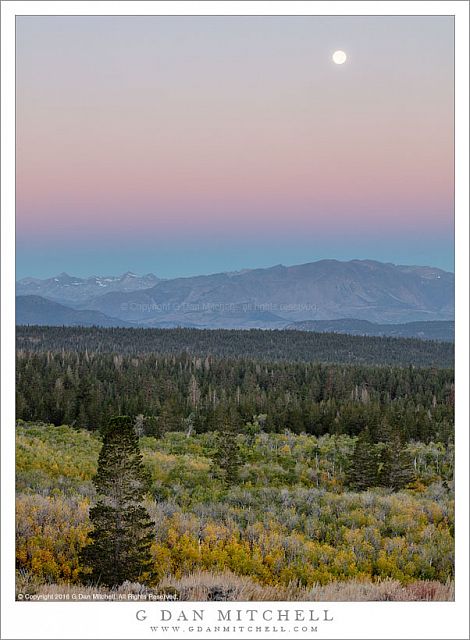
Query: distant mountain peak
<point>263,297</point>
<point>71,290</point>
<point>240,272</point>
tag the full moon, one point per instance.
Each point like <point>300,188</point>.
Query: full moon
<point>339,57</point>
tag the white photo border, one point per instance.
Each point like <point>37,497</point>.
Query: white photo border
<point>38,620</point>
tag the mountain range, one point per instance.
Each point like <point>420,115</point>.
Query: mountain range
<point>275,298</point>
<point>73,291</point>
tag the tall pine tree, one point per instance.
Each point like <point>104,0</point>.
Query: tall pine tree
<point>363,470</point>
<point>398,470</point>
<point>227,458</point>
<point>122,529</point>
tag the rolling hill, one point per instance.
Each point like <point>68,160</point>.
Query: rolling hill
<point>34,310</point>
<point>437,330</point>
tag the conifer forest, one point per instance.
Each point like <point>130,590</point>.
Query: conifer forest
<point>234,465</point>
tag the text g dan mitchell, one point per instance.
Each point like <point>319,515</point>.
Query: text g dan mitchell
<point>236,615</point>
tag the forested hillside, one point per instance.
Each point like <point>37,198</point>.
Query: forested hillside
<point>438,330</point>
<point>189,393</point>
<point>271,472</point>
<point>263,345</point>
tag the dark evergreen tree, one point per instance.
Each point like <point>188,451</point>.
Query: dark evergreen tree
<point>153,426</point>
<point>122,529</point>
<point>397,465</point>
<point>364,465</point>
<point>227,459</point>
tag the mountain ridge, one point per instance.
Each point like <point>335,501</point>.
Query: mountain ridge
<point>35,310</point>
<point>74,290</point>
<point>325,290</point>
